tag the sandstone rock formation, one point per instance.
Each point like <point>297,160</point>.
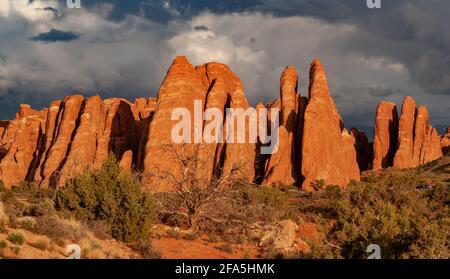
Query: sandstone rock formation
<point>48,146</point>
<point>403,156</point>
<point>385,135</point>
<point>417,140</point>
<point>222,82</point>
<point>143,111</point>
<point>363,149</point>
<point>84,144</point>
<point>431,148</point>
<point>66,125</point>
<point>126,163</point>
<point>15,165</point>
<point>239,158</point>
<point>164,161</point>
<point>324,144</point>
<point>281,165</point>
<point>445,142</point>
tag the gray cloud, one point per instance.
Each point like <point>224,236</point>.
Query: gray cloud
<point>56,36</point>
<point>127,46</point>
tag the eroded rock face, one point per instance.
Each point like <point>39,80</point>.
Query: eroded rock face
<point>281,168</point>
<point>222,82</point>
<point>417,139</point>
<point>84,144</point>
<point>67,123</point>
<point>180,88</point>
<point>49,146</point>
<point>15,165</point>
<point>363,149</point>
<point>324,145</point>
<point>432,148</point>
<point>126,163</point>
<point>239,158</point>
<point>445,142</point>
<point>403,156</point>
<point>385,135</point>
<point>143,111</point>
<point>420,134</point>
<point>119,133</point>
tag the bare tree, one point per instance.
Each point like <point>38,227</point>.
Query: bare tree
<point>193,190</point>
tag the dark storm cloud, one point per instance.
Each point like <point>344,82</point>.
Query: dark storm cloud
<point>401,49</point>
<point>55,35</point>
<point>201,28</point>
<point>165,10</point>
<point>418,26</point>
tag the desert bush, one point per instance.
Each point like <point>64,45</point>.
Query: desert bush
<point>53,227</point>
<point>390,211</point>
<point>192,236</point>
<point>40,244</point>
<point>16,238</point>
<point>146,249</point>
<point>7,196</point>
<point>174,234</point>
<point>26,223</point>
<point>100,228</point>
<point>3,244</point>
<point>267,196</point>
<point>112,196</point>
<point>26,187</point>
<point>226,248</point>
<point>16,249</point>
<point>43,207</point>
<point>4,219</point>
<point>2,186</point>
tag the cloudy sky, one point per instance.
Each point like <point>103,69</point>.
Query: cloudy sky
<point>123,48</point>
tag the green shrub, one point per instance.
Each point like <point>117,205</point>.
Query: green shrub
<point>226,248</point>
<point>112,196</point>
<point>27,224</point>
<point>268,196</point>
<point>174,234</point>
<point>3,245</point>
<point>146,249</point>
<point>53,227</point>
<point>192,236</point>
<point>16,249</point>
<point>16,238</point>
<point>44,207</point>
<point>390,211</point>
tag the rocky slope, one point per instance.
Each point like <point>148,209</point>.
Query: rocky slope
<point>74,134</point>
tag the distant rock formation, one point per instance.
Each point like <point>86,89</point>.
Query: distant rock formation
<point>385,135</point>
<point>406,142</point>
<point>49,146</point>
<point>363,149</point>
<point>445,142</point>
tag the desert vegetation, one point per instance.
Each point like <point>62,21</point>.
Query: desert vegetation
<point>405,212</point>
